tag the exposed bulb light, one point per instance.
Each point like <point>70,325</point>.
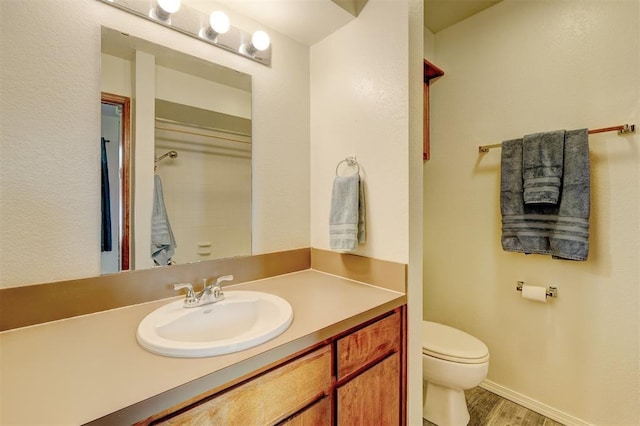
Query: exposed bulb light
<point>165,8</point>
<point>218,24</point>
<point>259,41</point>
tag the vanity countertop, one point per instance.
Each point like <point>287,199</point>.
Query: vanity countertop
<point>81,369</point>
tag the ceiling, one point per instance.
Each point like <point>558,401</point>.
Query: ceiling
<point>309,21</point>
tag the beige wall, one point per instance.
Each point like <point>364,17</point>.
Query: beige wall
<point>359,106</point>
<point>416,213</point>
<point>49,116</point>
<point>429,42</point>
<point>115,75</point>
<point>517,68</point>
<point>187,89</point>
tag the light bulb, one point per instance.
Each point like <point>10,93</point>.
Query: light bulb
<point>219,22</point>
<point>260,40</point>
<point>169,6</point>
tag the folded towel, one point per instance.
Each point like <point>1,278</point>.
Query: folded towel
<point>542,155</point>
<point>347,214</point>
<point>559,230</point>
<point>163,243</point>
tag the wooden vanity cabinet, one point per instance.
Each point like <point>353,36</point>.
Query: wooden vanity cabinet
<point>353,378</point>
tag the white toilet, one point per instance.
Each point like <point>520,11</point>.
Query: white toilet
<point>452,361</point>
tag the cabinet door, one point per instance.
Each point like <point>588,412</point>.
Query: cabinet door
<point>373,397</point>
<point>266,399</point>
<point>319,414</point>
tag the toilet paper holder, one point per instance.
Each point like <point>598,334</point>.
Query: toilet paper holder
<point>551,291</point>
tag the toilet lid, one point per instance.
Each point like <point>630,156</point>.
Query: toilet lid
<point>451,344</point>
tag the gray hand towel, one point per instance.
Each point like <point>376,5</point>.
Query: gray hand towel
<point>346,218</point>
<point>163,243</point>
<point>542,155</point>
<point>559,230</point>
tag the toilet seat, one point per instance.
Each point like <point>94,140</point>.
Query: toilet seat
<point>450,344</point>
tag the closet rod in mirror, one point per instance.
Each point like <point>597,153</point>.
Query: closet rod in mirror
<point>203,134</point>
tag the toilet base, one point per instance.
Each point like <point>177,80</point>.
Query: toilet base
<point>445,406</point>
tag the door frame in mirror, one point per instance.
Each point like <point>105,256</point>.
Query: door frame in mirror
<point>125,192</point>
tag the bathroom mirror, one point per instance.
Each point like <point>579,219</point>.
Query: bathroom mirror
<point>193,175</point>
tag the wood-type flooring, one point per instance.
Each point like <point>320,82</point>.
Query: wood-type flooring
<point>489,409</point>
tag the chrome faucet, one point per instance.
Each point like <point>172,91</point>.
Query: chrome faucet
<point>210,293</point>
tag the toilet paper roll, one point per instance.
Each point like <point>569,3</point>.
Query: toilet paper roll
<point>532,292</point>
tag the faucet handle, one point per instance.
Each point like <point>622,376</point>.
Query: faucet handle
<point>191,296</point>
<point>224,278</point>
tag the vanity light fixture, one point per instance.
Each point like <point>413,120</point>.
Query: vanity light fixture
<point>192,22</point>
<point>164,9</point>
<point>218,24</point>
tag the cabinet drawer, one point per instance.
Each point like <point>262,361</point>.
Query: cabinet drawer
<point>368,345</point>
<point>268,398</point>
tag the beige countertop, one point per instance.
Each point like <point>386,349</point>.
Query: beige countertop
<point>81,369</point>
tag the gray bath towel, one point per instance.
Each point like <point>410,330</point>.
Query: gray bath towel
<point>347,215</point>
<point>570,239</point>
<point>542,155</point>
<point>562,230</point>
<point>163,243</point>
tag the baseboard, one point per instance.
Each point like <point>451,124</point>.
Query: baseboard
<point>532,404</point>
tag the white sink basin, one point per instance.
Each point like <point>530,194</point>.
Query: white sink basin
<point>242,320</point>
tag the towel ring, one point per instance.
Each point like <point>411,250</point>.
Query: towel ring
<point>351,161</point>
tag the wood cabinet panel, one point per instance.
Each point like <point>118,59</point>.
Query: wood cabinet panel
<point>373,397</point>
<point>318,414</point>
<point>268,398</point>
<point>368,345</point>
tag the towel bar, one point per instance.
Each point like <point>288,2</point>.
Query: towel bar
<point>623,129</point>
<point>551,291</point>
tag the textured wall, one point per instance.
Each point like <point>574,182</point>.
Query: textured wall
<point>50,116</point>
<point>359,106</point>
<point>366,100</point>
<point>518,68</point>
